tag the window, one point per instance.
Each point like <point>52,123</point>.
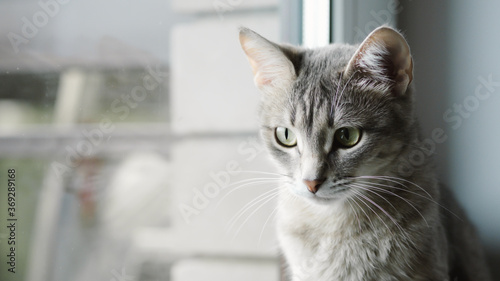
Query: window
<point>131,130</point>
<point>126,125</point>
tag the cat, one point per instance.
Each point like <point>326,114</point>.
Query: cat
<point>339,121</point>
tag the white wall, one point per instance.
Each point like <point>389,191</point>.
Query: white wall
<point>89,30</point>
<point>454,43</point>
<point>212,93</point>
<point>474,151</point>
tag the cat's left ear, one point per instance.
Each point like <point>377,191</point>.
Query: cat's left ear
<point>273,71</point>
<point>383,59</point>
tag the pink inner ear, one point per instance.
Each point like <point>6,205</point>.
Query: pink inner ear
<point>262,80</point>
<point>256,61</point>
<point>270,66</point>
<point>382,45</point>
<point>259,69</point>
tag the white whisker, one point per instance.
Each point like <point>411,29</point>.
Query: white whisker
<point>373,192</point>
<point>405,190</point>
<point>265,223</point>
<point>263,173</point>
<point>355,213</point>
<point>249,205</point>
<point>394,194</point>
<point>381,209</point>
<point>273,196</point>
<point>395,180</point>
<point>248,183</point>
<point>367,216</point>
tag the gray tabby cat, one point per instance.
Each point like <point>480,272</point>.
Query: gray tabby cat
<point>339,121</point>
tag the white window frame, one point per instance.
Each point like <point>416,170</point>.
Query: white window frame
<point>344,21</point>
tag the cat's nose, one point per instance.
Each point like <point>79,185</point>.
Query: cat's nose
<point>314,185</point>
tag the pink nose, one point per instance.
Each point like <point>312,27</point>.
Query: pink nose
<point>314,185</point>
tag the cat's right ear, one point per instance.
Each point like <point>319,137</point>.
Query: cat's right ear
<point>271,68</point>
<point>384,61</point>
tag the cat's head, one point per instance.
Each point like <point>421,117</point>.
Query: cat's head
<point>332,114</point>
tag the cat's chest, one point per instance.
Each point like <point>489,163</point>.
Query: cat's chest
<point>333,248</point>
<point>332,256</point>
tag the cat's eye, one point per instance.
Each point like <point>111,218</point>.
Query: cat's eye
<point>285,137</point>
<point>347,136</point>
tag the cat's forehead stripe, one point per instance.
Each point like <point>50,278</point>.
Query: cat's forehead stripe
<point>293,112</point>
<point>310,116</point>
<point>315,103</point>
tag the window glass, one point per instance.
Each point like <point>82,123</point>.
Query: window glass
<point>131,131</point>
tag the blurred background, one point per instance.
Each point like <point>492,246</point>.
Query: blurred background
<point>132,128</point>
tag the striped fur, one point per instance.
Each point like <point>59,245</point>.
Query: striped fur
<point>368,220</point>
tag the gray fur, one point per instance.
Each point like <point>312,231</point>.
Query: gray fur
<point>400,226</point>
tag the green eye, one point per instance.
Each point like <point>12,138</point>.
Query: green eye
<point>285,137</point>
<point>347,136</point>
